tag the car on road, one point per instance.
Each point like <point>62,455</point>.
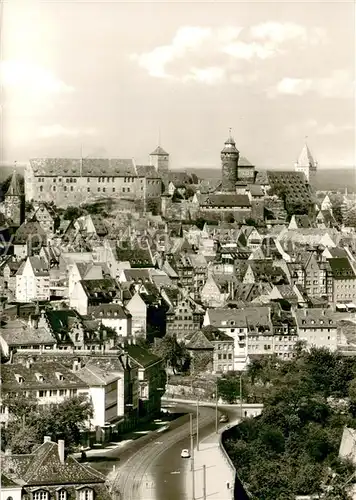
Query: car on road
<point>224,419</point>
<point>185,453</point>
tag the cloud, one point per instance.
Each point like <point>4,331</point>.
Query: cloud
<point>187,39</point>
<point>24,75</point>
<point>209,76</point>
<point>278,33</point>
<point>339,84</point>
<point>217,49</point>
<point>57,130</point>
<point>243,50</point>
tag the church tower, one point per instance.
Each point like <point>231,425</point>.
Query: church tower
<point>160,160</point>
<point>229,165</point>
<point>14,202</point>
<point>307,165</point>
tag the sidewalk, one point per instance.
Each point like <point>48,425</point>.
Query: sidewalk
<point>218,471</point>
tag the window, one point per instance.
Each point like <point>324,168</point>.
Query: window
<point>113,190</point>
<point>54,188</point>
<point>40,495</point>
<point>88,189</point>
<point>62,495</point>
<point>65,188</point>
<point>98,190</point>
<point>71,188</point>
<point>41,188</point>
<point>88,179</point>
<point>85,494</point>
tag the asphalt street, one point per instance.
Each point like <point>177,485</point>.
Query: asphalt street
<point>151,467</point>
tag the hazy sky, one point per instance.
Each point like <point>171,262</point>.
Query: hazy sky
<point>106,76</point>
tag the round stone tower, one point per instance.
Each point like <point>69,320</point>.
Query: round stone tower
<point>229,165</point>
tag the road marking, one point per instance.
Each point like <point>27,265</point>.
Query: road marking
<point>158,442</point>
<point>175,472</point>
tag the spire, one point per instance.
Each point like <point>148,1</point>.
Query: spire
<point>306,158</point>
<point>14,187</point>
<point>230,144</point>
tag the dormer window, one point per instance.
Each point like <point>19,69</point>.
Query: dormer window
<point>85,494</point>
<point>59,376</point>
<point>19,378</point>
<point>39,377</point>
<point>40,495</point>
<point>62,495</point>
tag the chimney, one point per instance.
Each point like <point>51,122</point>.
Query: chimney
<point>61,450</point>
<point>47,439</point>
<point>28,365</point>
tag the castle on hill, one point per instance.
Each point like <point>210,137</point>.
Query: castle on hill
<point>244,193</point>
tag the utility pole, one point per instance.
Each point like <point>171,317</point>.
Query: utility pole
<point>198,424</point>
<point>192,455</point>
<point>240,395</point>
<point>204,482</point>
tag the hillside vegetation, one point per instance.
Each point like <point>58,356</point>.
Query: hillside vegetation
<point>292,448</point>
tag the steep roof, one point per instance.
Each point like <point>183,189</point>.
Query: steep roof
<point>159,151</point>
<point>305,158</point>
<point>102,289</point>
<point>292,184</point>
<point>47,369</point>
<point>43,467</point>
<point>224,200</point>
<point>30,229</point>
<point>141,356</point>
<point>20,334</point>
<point>110,311</point>
<point>14,187</point>
<point>147,171</point>
<point>86,167</point>
<point>341,268</point>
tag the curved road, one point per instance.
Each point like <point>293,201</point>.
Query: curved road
<point>155,471</point>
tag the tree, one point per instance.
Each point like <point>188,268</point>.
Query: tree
<point>229,387</point>
<point>173,353</point>
<point>72,213</point>
<point>60,421</point>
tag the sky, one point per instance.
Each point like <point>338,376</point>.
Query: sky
<point>111,78</point>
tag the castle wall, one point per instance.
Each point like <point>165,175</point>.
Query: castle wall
<point>67,190</point>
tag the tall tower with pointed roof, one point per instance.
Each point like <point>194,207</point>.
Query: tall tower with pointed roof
<point>229,165</point>
<point>14,202</point>
<point>160,160</point>
<point>307,165</point>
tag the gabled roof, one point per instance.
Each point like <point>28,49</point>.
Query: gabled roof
<point>14,187</point>
<point>341,268</point>
<point>96,376</point>
<point>147,171</point>
<point>28,230</point>
<point>102,289</point>
<point>110,311</point>
<point>136,255</point>
<point>198,340</point>
<point>142,357</point>
<point>43,467</point>
<point>17,333</point>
